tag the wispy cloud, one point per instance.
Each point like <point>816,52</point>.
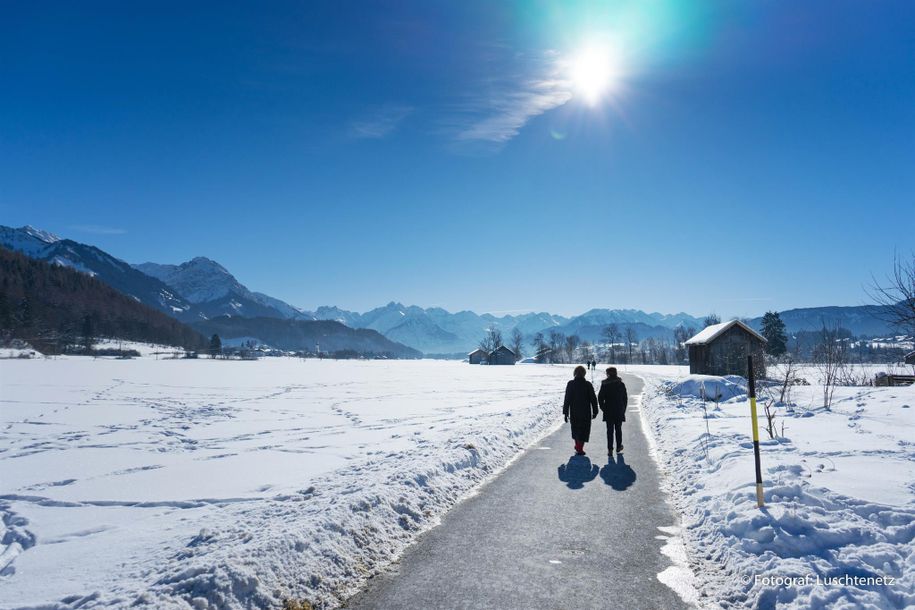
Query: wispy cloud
<point>381,122</point>
<point>499,113</point>
<point>98,229</point>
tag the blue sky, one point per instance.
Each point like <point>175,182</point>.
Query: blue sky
<point>743,157</point>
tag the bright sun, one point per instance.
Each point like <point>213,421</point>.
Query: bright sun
<point>595,71</point>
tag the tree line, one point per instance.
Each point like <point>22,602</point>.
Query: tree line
<point>621,344</point>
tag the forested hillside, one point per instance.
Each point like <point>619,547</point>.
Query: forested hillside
<point>306,335</point>
<point>53,307</point>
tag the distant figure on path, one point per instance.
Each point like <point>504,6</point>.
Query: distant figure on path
<point>613,399</point>
<point>579,408</point>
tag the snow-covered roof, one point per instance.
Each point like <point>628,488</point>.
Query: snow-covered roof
<point>479,349</point>
<point>710,333</point>
<point>501,348</point>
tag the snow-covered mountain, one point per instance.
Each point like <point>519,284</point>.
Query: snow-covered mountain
<point>350,318</point>
<point>216,292</point>
<point>202,288</point>
<point>434,330</point>
<point>438,331</point>
<point>603,317</point>
<point>118,274</point>
<point>194,290</point>
<point>420,332</point>
<point>27,240</point>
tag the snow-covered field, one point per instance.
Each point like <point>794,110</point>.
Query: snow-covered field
<point>839,523</point>
<point>228,484</point>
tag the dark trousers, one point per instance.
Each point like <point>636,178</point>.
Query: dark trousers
<point>616,426</point>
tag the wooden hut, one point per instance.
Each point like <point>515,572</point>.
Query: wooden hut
<point>477,356</point>
<point>722,349</point>
<point>910,358</point>
<point>502,355</point>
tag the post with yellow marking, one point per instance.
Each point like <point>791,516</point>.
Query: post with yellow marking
<point>751,378</point>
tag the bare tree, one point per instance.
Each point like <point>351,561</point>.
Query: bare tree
<point>556,343</point>
<point>784,373</point>
<point>631,339</point>
<point>491,340</point>
<point>516,342</point>
<point>829,357</point>
<point>611,334</point>
<point>571,344</point>
<point>681,336</point>
<point>896,297</point>
<point>712,318</point>
<point>541,348</point>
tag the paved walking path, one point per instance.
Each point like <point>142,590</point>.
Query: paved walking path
<point>552,531</point>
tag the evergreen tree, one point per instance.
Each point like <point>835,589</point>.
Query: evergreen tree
<point>88,334</point>
<point>215,346</point>
<point>773,329</point>
<point>25,313</point>
<point>6,319</point>
<point>538,342</point>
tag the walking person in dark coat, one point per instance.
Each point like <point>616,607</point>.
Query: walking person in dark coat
<point>613,399</point>
<point>579,408</point>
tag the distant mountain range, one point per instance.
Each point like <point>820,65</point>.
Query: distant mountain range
<point>435,330</point>
<point>202,289</point>
<point>867,320</point>
<point>309,335</point>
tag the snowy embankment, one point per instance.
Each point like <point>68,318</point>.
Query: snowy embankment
<point>839,522</point>
<point>227,484</point>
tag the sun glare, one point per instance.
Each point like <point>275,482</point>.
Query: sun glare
<point>594,72</point>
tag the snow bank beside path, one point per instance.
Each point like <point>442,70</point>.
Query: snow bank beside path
<point>839,524</point>
<point>225,484</point>
<point>709,387</point>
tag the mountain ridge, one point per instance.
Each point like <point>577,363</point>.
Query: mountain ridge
<point>216,292</point>
<point>201,288</point>
<point>328,336</point>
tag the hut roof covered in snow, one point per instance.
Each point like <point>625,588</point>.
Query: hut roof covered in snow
<point>710,333</point>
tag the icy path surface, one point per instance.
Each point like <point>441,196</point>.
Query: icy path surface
<point>838,530</point>
<point>218,484</point>
<point>554,528</point>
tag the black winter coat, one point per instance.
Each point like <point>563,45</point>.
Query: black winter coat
<point>580,406</point>
<point>613,399</point>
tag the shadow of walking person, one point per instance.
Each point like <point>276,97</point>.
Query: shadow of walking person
<point>577,472</point>
<point>619,475</point>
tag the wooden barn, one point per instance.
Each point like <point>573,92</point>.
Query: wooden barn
<point>722,349</point>
<point>910,358</point>
<point>478,356</point>
<point>502,355</point>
